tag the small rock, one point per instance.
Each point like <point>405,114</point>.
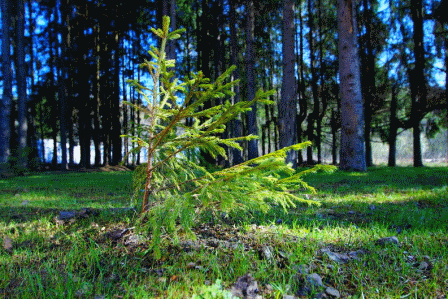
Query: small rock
<point>133,240</point>
<point>351,212</point>
<point>67,215</point>
<point>245,287</point>
<point>314,280</point>
<point>25,202</point>
<point>424,266</point>
<point>289,297</point>
<point>17,195</point>
<point>333,292</point>
<point>267,253</point>
<point>279,221</point>
<point>191,265</point>
<point>7,244</point>
<point>387,240</point>
<point>337,257</point>
<point>117,234</point>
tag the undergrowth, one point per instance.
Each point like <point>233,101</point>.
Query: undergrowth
<point>103,256</point>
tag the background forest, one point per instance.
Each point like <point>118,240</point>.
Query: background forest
<point>66,62</point>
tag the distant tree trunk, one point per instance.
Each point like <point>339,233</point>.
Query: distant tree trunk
<point>312,117</point>
<point>63,93</point>
<point>32,136</point>
<point>52,95</point>
<point>169,9</point>
<point>124,106</point>
<point>393,128</point>
<point>323,94</point>
<point>21,85</point>
<point>303,104</point>
<point>446,92</point>
<point>205,45</point>
<point>287,110</point>
<point>237,157</point>
<point>334,131</point>
<point>250,62</point>
<point>5,108</point>
<point>368,84</point>
<point>97,100</point>
<point>419,101</point>
<point>352,135</point>
<point>116,111</point>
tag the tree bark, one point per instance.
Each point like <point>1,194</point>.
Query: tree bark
<point>235,124</point>
<point>419,101</point>
<point>312,117</point>
<point>352,135</point>
<point>368,84</point>
<point>21,86</point>
<point>303,104</point>
<point>393,129</point>
<point>251,115</point>
<point>287,110</point>
<point>5,108</point>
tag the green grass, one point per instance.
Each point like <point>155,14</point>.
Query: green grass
<point>81,260</point>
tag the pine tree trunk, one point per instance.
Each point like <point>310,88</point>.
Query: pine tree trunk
<point>237,157</point>
<point>312,117</point>
<point>5,108</point>
<point>21,86</point>
<point>250,62</point>
<point>287,110</point>
<point>419,101</point>
<point>393,128</point>
<point>303,105</point>
<point>352,135</point>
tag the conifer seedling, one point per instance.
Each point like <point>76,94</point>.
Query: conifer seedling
<point>175,187</point>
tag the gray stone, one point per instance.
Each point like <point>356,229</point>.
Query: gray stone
<point>8,244</point>
<point>267,253</point>
<point>337,257</point>
<point>314,280</point>
<point>387,240</point>
<point>333,292</point>
<point>134,240</point>
<point>245,287</point>
<point>67,215</point>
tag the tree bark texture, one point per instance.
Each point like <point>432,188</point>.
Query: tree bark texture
<point>419,101</point>
<point>352,134</point>
<point>252,115</point>
<point>21,85</point>
<point>287,111</point>
<point>5,108</point>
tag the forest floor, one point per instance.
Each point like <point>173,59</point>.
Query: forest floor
<point>380,234</point>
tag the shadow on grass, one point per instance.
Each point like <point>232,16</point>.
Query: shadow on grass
<point>380,179</point>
